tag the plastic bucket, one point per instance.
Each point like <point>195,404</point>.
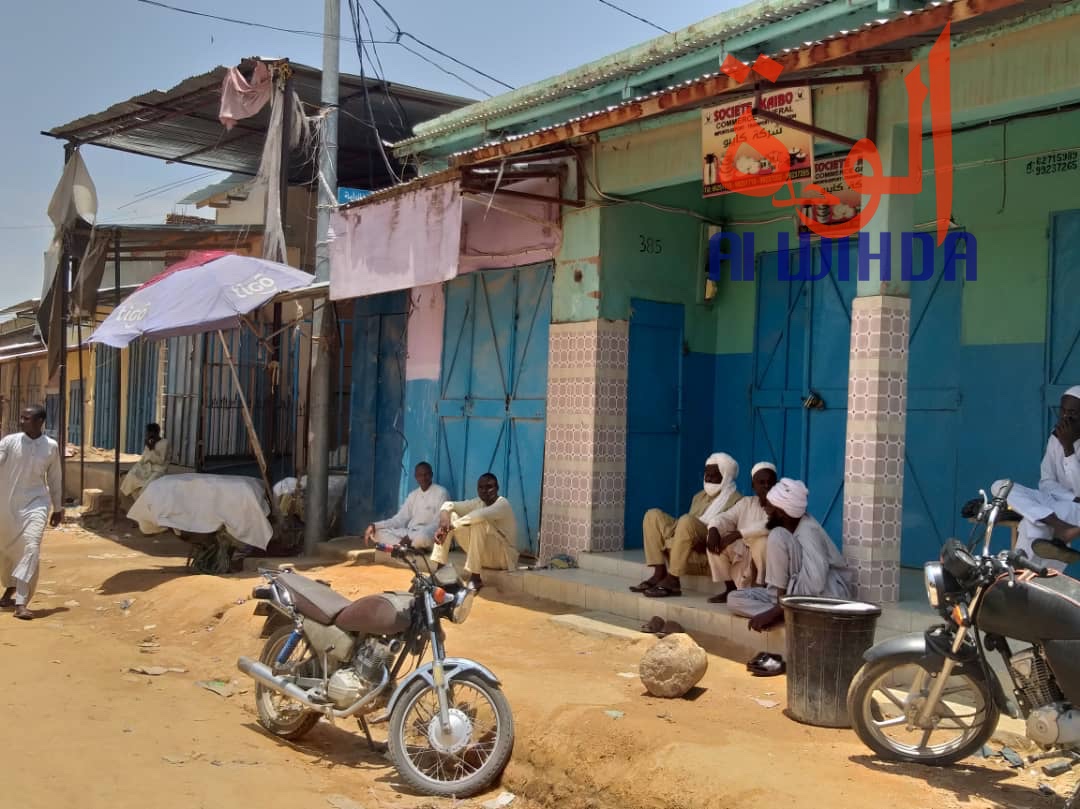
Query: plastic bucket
<point>826,640</point>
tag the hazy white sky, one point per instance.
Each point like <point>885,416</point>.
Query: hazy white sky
<point>63,59</point>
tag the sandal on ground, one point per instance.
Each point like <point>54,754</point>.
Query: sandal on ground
<point>757,660</point>
<point>671,628</point>
<point>645,586</point>
<point>654,626</point>
<point>660,591</point>
<point>770,667</point>
<point>7,603</point>
<point>719,598</point>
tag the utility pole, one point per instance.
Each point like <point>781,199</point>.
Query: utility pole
<point>315,511</point>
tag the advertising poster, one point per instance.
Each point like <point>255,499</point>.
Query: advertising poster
<point>829,174</point>
<point>758,163</point>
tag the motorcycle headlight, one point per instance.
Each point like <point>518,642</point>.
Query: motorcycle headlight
<point>934,577</point>
<point>463,605</point>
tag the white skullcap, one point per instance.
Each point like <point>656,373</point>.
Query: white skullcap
<point>762,465</point>
<point>1074,391</point>
<point>790,496</point>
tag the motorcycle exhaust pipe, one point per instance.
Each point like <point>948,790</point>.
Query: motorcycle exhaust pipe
<point>262,674</point>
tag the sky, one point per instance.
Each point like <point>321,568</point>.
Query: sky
<point>63,59</point>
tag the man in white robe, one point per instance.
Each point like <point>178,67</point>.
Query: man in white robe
<point>31,481</point>
<point>484,527</point>
<point>738,538</point>
<point>417,520</point>
<point>153,464</point>
<point>1052,512</point>
<point>801,560</point>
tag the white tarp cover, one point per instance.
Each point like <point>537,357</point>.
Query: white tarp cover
<point>203,504</point>
<point>408,241</point>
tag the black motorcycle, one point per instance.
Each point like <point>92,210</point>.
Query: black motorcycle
<point>934,699</point>
<point>451,731</point>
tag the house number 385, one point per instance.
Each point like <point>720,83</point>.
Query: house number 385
<point>647,244</point>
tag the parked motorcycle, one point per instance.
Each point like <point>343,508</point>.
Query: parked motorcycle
<point>933,698</point>
<point>451,731</point>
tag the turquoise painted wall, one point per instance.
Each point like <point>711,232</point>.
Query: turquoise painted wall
<point>576,286</point>
<point>1008,210</point>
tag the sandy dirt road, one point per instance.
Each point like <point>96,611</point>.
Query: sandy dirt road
<point>85,731</point>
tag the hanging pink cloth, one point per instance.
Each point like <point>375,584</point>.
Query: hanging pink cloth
<point>241,99</point>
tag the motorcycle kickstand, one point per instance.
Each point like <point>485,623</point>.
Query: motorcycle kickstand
<point>376,747</point>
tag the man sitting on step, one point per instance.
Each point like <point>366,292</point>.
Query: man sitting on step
<point>417,520</point>
<point>738,538</point>
<point>673,545</point>
<point>484,527</point>
<point>1052,512</point>
<point>801,560</point>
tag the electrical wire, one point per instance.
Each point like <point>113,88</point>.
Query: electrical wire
<point>142,196</point>
<point>622,10</point>
<point>249,23</point>
<point>399,33</point>
<point>354,12</point>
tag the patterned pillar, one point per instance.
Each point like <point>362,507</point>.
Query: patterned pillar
<point>874,466</point>
<point>585,444</point>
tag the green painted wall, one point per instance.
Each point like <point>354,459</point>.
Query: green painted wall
<point>576,287</point>
<point>1008,210</point>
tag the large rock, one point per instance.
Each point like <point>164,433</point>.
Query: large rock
<point>673,666</point>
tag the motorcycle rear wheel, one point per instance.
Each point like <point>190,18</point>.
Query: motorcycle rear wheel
<point>967,707</point>
<point>471,757</point>
<point>277,713</point>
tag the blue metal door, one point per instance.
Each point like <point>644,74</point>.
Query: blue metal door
<point>142,391</point>
<point>1063,323</point>
<point>107,368</point>
<point>493,393</point>
<point>802,342</point>
<point>931,504</point>
<point>654,413</point>
<point>376,409</point>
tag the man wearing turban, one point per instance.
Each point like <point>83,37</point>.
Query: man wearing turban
<point>671,544</point>
<point>801,560</point>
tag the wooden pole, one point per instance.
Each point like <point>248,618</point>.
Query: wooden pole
<point>82,411</point>
<point>250,425</point>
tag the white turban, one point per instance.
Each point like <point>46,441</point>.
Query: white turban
<point>1074,391</point>
<point>790,496</point>
<point>761,465</point>
<point>729,468</point>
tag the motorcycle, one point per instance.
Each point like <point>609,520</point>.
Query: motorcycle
<point>934,699</point>
<point>451,731</point>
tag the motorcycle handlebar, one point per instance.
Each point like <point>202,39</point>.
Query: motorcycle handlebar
<point>396,551</point>
<point>1019,559</point>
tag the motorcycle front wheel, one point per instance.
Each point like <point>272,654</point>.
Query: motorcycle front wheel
<point>886,696</point>
<point>463,759</point>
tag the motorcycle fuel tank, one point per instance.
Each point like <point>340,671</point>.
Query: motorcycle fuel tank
<point>1032,609</point>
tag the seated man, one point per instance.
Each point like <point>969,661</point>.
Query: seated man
<point>669,542</point>
<point>738,538</point>
<point>1052,512</point>
<point>801,560</point>
<point>418,518</point>
<point>153,464</point>
<point>484,527</point>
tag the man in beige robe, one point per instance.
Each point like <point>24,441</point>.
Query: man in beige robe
<point>738,538</point>
<point>484,527</point>
<point>674,547</point>
<point>153,464</point>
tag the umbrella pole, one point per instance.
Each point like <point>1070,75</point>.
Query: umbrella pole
<point>250,425</point>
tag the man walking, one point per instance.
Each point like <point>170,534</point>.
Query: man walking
<point>30,478</point>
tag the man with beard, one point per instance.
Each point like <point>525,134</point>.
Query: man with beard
<point>1052,512</point>
<point>738,538</point>
<point>801,560</point>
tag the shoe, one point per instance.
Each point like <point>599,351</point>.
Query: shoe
<point>1055,549</point>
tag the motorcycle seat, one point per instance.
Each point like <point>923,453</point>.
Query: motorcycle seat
<point>314,600</point>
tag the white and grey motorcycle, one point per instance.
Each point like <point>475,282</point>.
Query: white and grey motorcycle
<point>451,732</point>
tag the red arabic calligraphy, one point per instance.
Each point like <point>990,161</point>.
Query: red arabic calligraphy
<point>872,185</point>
